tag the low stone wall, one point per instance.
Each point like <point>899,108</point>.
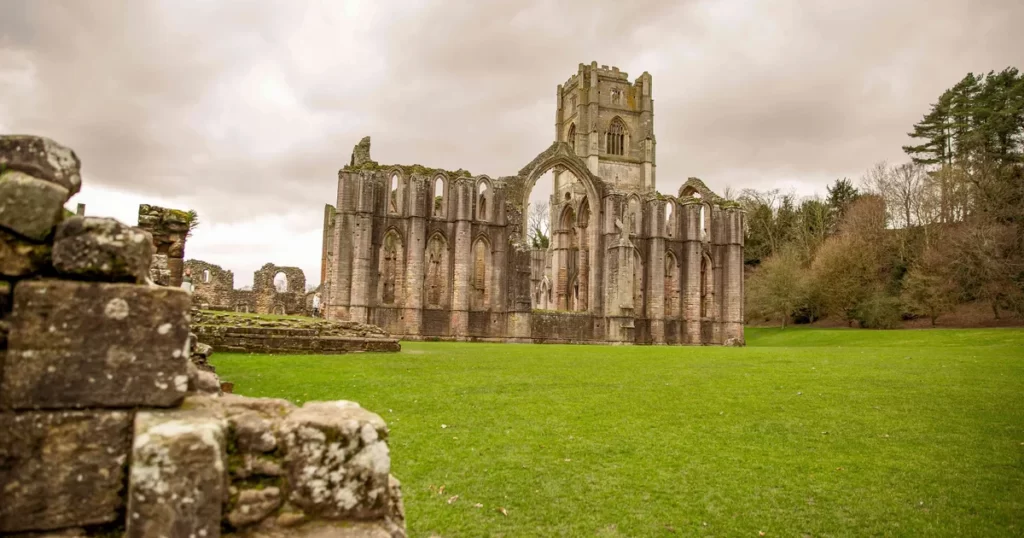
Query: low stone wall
<point>106,426</point>
<point>229,332</point>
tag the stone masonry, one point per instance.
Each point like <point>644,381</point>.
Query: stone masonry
<point>430,253</point>
<point>106,426</point>
<point>214,290</point>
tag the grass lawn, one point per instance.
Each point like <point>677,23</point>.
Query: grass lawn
<point>805,432</point>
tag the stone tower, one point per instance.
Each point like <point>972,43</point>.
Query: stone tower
<point>609,122</point>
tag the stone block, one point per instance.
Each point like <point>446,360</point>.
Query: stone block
<point>102,249</point>
<point>30,206</point>
<point>20,257</point>
<point>90,344</point>
<point>43,158</point>
<point>62,468</point>
<point>326,529</point>
<point>253,506</point>
<point>177,480</point>
<point>5,298</point>
<point>337,460</point>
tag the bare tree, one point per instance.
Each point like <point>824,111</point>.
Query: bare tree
<point>538,223</point>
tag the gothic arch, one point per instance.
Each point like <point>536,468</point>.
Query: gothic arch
<point>436,279</point>
<point>672,285</point>
<point>634,214</point>
<point>617,137</point>
<point>439,197</point>
<point>481,275</point>
<point>394,198</point>
<point>484,193</point>
<point>570,138</point>
<point>638,283</point>
<point>671,217</point>
<point>707,287</point>
<point>391,269</point>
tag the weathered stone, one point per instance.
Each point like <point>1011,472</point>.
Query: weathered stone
<point>102,248</point>
<point>253,505</point>
<point>30,206</point>
<point>43,158</point>
<point>20,257</point>
<point>159,272</point>
<point>62,468</point>
<point>325,529</point>
<point>253,465</point>
<point>202,381</point>
<point>253,433</point>
<point>203,350</point>
<point>337,460</point>
<point>396,509</point>
<point>86,344</point>
<point>734,342</point>
<point>5,298</point>
<point>177,480</point>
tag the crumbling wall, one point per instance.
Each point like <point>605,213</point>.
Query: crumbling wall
<point>169,228</point>
<point>271,301</point>
<point>108,428</point>
<point>213,286</point>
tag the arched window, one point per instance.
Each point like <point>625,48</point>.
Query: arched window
<point>571,139</point>
<point>281,282</point>
<point>206,275</point>
<point>669,224</point>
<point>483,201</point>
<point>439,205</point>
<point>616,142</point>
<point>393,202</point>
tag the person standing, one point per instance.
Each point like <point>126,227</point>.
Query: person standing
<point>186,280</point>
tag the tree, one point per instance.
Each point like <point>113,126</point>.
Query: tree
<point>927,289</point>
<point>777,287</point>
<point>538,225</point>
<point>841,194</point>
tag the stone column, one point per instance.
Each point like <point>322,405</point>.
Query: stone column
<point>690,277</point>
<point>415,248</point>
<point>656,271</point>
<point>362,252</point>
<point>732,326</point>
<point>463,260</point>
<point>340,298</point>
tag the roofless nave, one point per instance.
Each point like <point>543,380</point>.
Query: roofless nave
<point>428,253</point>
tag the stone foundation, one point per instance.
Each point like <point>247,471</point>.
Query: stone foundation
<point>228,332</point>
<point>107,428</point>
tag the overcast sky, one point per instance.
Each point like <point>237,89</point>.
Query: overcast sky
<point>245,110</point>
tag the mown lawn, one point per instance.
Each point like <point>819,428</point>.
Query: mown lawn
<point>805,432</point>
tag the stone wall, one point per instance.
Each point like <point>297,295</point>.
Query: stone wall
<point>229,332</point>
<point>169,229</point>
<point>107,427</point>
<point>214,290</point>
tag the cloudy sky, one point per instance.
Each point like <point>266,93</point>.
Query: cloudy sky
<point>245,110</point>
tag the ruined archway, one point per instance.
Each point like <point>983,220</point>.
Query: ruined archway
<point>519,187</point>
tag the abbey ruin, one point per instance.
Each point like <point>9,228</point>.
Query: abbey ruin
<point>429,253</point>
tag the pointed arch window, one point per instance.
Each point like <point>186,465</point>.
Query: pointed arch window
<point>616,138</point>
<point>571,139</point>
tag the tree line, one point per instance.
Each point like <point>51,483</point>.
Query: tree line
<point>912,239</point>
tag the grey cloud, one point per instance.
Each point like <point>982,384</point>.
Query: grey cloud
<point>247,109</point>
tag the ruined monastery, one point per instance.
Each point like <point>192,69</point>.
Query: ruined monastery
<point>433,254</point>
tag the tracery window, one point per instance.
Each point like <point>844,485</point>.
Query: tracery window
<point>616,138</point>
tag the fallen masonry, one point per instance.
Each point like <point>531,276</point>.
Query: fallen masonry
<point>231,332</point>
<point>114,424</point>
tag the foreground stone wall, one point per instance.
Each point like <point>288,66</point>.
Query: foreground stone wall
<point>108,429</point>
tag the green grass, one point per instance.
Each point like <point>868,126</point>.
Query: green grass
<point>805,432</point>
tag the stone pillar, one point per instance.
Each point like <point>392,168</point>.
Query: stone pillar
<point>415,248</point>
<point>463,260</point>
<point>362,252</point>
<point>343,247</point>
<point>656,271</point>
<point>732,326</point>
<point>690,277</point>
<point>169,228</point>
